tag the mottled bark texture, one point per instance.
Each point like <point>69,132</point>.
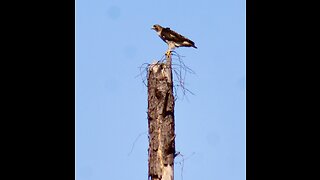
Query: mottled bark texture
<point>161,121</point>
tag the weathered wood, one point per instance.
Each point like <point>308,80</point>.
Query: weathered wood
<point>161,121</point>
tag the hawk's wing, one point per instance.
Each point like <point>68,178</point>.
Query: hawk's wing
<point>170,35</point>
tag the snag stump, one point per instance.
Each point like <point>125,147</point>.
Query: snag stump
<point>161,121</point>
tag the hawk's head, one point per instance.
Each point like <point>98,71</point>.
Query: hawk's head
<point>157,27</point>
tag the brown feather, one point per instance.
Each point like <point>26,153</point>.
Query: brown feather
<point>169,35</point>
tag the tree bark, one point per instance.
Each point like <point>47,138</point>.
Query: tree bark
<point>161,121</point>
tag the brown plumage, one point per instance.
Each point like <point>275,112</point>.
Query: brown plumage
<point>172,38</point>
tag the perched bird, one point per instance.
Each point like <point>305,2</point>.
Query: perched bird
<point>172,38</point>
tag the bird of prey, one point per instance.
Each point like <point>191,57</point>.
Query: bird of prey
<point>172,38</point>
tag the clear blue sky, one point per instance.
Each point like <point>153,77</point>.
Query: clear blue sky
<point>113,38</point>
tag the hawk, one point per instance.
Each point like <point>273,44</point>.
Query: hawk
<point>172,38</point>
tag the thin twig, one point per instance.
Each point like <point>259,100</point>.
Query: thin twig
<point>136,141</point>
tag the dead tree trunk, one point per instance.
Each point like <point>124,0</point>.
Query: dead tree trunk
<point>161,121</point>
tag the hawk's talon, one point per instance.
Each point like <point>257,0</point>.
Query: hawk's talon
<point>168,53</point>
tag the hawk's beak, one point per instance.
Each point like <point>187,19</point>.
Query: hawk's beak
<point>153,28</point>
